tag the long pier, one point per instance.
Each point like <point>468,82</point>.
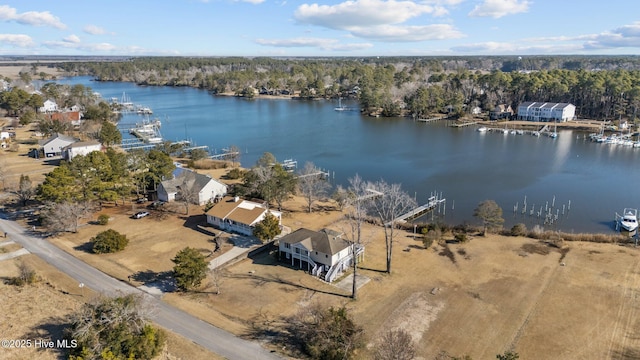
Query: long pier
<point>434,202</point>
<point>433,119</point>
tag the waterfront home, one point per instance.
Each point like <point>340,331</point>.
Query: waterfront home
<point>53,146</point>
<point>239,216</point>
<point>203,188</point>
<point>72,117</point>
<point>48,106</point>
<point>502,111</point>
<point>546,112</point>
<point>80,148</point>
<point>323,253</point>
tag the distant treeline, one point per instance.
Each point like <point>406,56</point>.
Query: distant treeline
<point>601,87</point>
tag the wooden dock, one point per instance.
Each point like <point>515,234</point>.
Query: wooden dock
<point>458,125</point>
<point>433,119</point>
<point>434,202</point>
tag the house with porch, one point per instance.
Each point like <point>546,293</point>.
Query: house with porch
<point>240,216</point>
<point>325,253</point>
<point>203,187</point>
<point>80,148</point>
<point>53,146</point>
<point>48,106</point>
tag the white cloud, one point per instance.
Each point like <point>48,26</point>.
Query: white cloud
<point>93,48</point>
<point>496,48</point>
<point>18,40</point>
<point>395,33</point>
<point>35,18</point>
<point>380,19</point>
<point>499,8</point>
<point>360,13</point>
<point>626,36</point>
<point>321,43</point>
<point>73,39</point>
<point>93,30</point>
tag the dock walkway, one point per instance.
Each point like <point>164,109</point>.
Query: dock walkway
<point>434,201</point>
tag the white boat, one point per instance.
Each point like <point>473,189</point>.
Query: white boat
<point>628,221</point>
<point>535,133</point>
<point>482,129</point>
<point>340,106</point>
<point>144,111</point>
<point>520,132</point>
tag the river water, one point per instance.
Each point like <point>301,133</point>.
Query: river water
<point>582,182</point>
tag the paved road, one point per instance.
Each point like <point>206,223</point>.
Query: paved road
<point>178,321</point>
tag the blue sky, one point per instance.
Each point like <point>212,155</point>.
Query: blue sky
<point>327,28</point>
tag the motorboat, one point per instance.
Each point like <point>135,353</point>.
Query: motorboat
<point>628,221</point>
<point>482,129</point>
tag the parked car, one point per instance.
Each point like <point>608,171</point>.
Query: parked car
<point>142,200</point>
<point>156,204</point>
<point>140,214</point>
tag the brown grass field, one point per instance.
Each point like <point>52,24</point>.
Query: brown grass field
<point>480,298</point>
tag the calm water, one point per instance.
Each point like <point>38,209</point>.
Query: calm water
<point>466,166</point>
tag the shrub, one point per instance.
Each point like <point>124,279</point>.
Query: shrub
<point>519,230</point>
<point>109,241</point>
<point>235,173</point>
<point>462,237</point>
<point>430,236</point>
<point>103,219</point>
<point>27,276</point>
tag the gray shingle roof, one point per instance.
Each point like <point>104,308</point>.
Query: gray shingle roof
<point>325,241</point>
<point>196,182</point>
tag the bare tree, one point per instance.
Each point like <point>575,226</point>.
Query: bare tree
<point>356,205</point>
<point>392,203</point>
<point>341,197</point>
<point>216,279</point>
<point>234,155</point>
<point>63,217</point>
<point>395,345</point>
<point>186,192</point>
<point>312,184</point>
<point>3,172</point>
<point>25,189</point>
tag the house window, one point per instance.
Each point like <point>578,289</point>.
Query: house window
<point>326,256</point>
<point>316,253</point>
<point>297,251</point>
<point>287,245</point>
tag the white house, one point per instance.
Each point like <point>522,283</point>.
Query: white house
<point>80,148</point>
<point>204,186</point>
<point>323,253</point>
<point>4,135</point>
<point>53,146</point>
<point>545,112</point>
<point>237,215</point>
<point>48,106</point>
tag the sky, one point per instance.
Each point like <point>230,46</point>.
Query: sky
<point>327,28</point>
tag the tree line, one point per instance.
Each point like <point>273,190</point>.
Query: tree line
<point>601,87</point>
